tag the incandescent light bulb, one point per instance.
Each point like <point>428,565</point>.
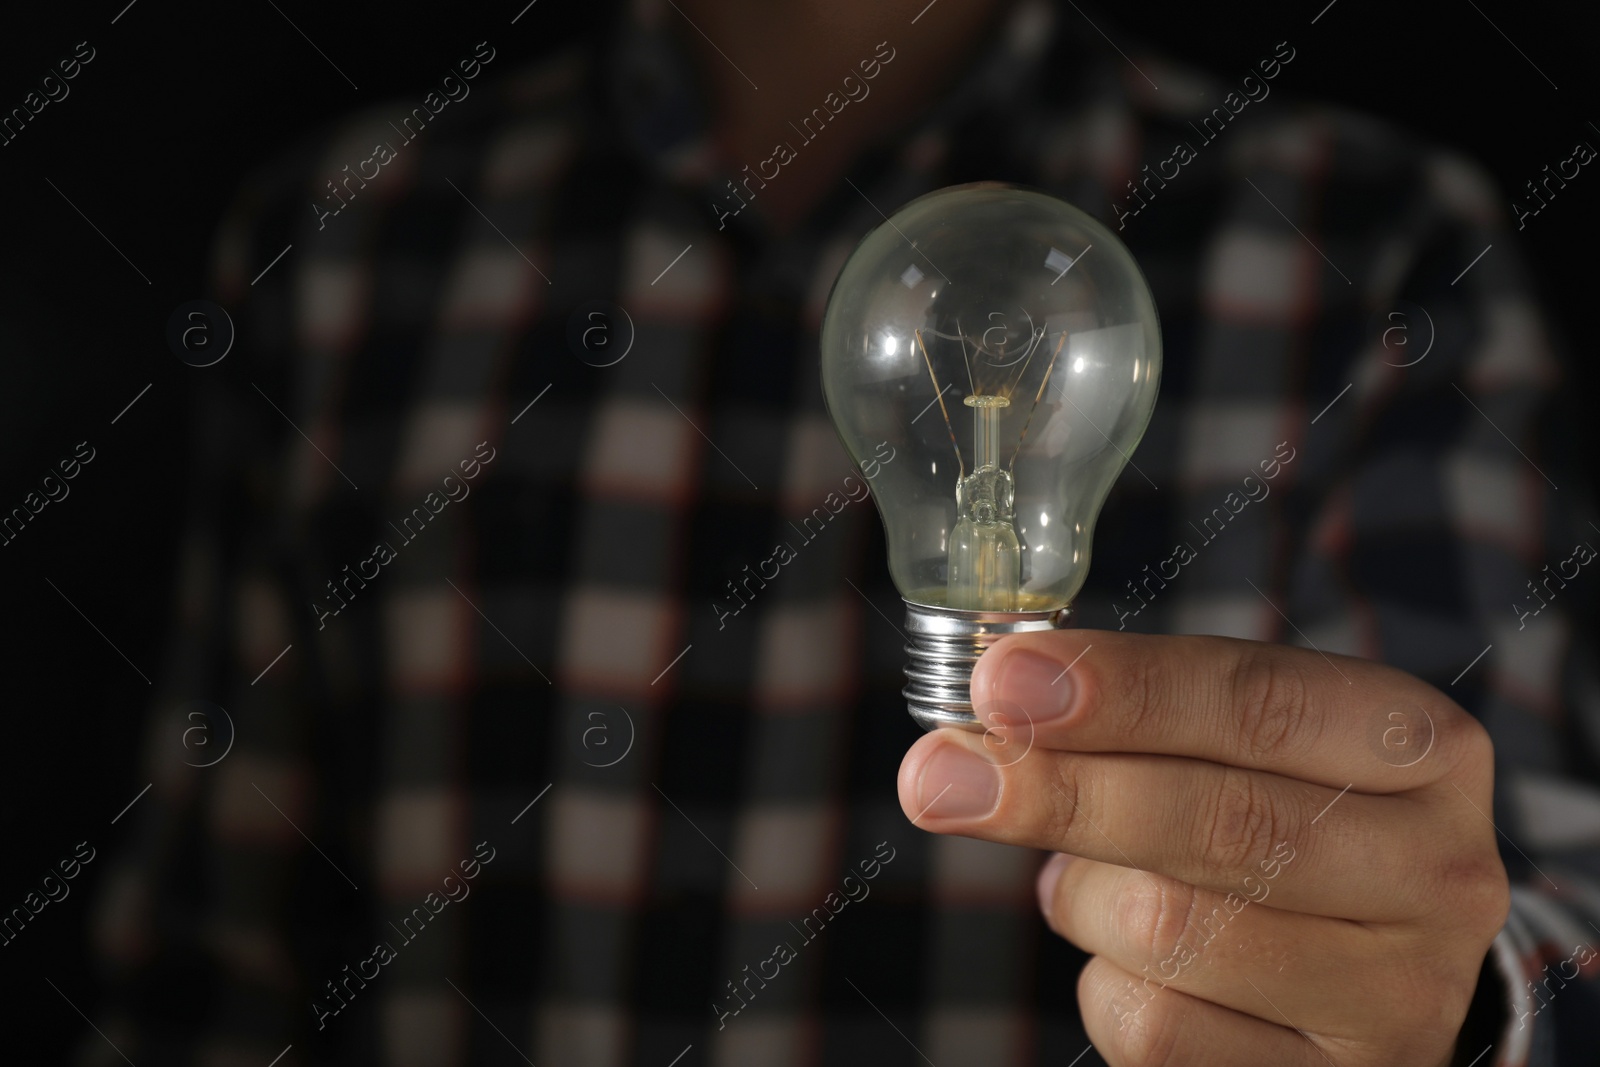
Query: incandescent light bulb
<point>1006,346</point>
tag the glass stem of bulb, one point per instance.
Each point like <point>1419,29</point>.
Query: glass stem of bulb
<point>985,557</point>
<point>986,431</point>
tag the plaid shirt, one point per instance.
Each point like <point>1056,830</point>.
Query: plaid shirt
<point>537,669</point>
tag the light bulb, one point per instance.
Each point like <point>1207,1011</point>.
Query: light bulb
<point>1004,347</point>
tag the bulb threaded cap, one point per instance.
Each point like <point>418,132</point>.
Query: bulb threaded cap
<point>943,646</point>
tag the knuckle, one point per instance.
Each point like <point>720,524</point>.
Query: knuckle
<point>1460,887</point>
<point>1412,971</point>
<point>1106,991</point>
<point>1063,815</point>
<point>1154,915</point>
<point>1242,823</point>
<point>1438,1006</point>
<point>1148,696</point>
<point>1472,744</point>
<point>1150,1036</point>
<point>1447,1002</point>
<point>1271,705</point>
<point>1477,894</point>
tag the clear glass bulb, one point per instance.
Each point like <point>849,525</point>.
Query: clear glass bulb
<point>1004,348</point>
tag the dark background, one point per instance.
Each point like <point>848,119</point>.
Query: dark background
<point>183,99</point>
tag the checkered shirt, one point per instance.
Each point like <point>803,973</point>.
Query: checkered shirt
<point>539,664</point>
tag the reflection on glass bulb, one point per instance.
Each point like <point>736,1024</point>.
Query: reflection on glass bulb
<point>978,293</point>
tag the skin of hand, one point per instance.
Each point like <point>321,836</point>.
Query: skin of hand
<point>1273,857</point>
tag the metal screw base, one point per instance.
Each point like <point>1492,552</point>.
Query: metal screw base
<point>944,646</point>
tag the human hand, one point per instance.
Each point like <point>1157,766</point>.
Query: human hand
<point>1190,780</point>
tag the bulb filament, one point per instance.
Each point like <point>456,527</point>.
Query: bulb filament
<point>985,555</point>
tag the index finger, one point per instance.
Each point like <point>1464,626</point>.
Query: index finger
<point>1333,720</point>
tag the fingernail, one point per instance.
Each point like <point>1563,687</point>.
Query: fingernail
<point>1037,684</point>
<point>956,784</point>
<point>1049,875</point>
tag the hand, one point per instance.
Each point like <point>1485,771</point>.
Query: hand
<point>1274,857</point>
